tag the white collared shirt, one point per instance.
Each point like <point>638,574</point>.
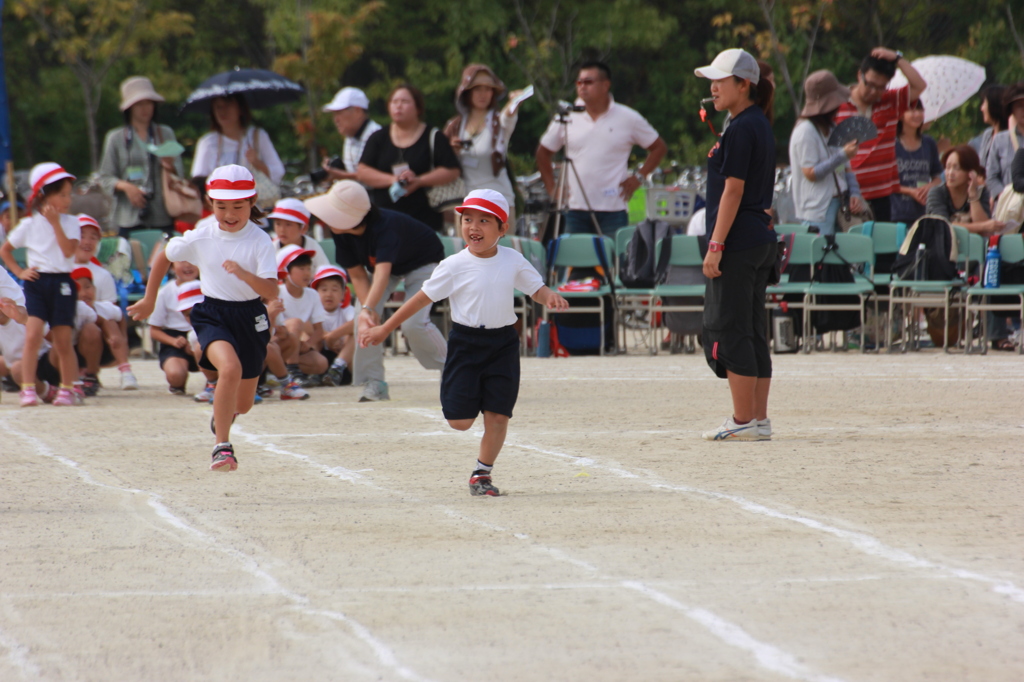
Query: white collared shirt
<point>208,247</point>
<point>480,290</point>
<point>599,149</point>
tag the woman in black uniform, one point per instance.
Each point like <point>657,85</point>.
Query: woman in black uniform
<point>742,244</point>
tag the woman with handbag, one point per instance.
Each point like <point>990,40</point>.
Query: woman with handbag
<point>131,170</point>
<point>822,177</point>
<point>480,132</point>
<point>404,160</point>
<point>234,139</point>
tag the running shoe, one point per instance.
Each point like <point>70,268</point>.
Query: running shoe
<point>65,398</point>
<point>49,393</point>
<point>374,391</point>
<point>764,429</point>
<point>292,391</point>
<point>206,395</point>
<point>224,458</point>
<point>273,382</point>
<point>310,380</point>
<point>213,429</point>
<point>480,484</point>
<point>29,397</point>
<point>176,390</point>
<point>337,377</point>
<point>90,384</point>
<point>730,430</point>
<point>129,382</point>
<point>264,391</point>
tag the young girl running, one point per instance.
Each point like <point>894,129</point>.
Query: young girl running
<point>481,372</point>
<point>50,237</point>
<point>237,261</point>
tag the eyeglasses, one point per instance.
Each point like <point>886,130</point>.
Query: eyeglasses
<point>587,81</point>
<point>872,85</point>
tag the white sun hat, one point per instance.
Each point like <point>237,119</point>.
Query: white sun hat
<point>43,174</point>
<point>488,201</point>
<point>287,254</point>
<point>734,62</point>
<point>348,97</point>
<point>229,183</point>
<point>343,207</point>
<point>291,209</point>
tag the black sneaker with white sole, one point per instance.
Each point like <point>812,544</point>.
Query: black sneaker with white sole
<point>480,484</point>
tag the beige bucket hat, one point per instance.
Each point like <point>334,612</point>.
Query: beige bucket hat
<point>138,89</point>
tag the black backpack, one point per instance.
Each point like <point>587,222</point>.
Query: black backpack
<point>929,251</point>
<point>638,269</point>
<point>829,273</point>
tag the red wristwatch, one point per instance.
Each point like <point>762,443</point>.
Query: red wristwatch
<point>716,246</point>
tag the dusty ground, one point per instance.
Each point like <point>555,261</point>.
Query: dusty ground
<point>879,536</point>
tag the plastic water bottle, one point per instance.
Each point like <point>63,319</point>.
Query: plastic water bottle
<point>992,259</point>
<point>544,339</point>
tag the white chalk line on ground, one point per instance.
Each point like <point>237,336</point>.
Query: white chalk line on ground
<point>862,541</point>
<point>768,656</point>
<point>382,652</point>
<point>17,656</point>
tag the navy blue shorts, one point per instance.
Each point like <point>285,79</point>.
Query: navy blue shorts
<point>481,372</point>
<point>243,324</point>
<point>52,298</point>
<point>175,352</point>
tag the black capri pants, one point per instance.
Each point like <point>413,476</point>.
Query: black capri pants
<point>735,334</point>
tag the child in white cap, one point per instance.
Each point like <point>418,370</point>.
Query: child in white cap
<point>290,219</point>
<point>302,322</point>
<point>50,236</point>
<point>331,283</point>
<point>481,372</point>
<point>169,327</point>
<point>236,258</point>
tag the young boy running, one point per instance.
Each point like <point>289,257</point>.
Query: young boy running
<point>481,372</point>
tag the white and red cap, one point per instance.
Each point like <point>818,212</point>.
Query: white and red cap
<point>488,201</point>
<point>85,220</point>
<point>291,209</point>
<point>325,271</point>
<point>43,174</point>
<point>189,294</point>
<point>287,254</point>
<point>229,183</point>
<point>80,272</point>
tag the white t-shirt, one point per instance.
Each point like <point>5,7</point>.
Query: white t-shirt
<point>480,290</point>
<point>477,169</point>
<point>600,151</point>
<point>84,314</point>
<point>165,314</point>
<point>35,234</point>
<point>338,318</point>
<point>353,149</point>
<point>106,288</point>
<point>232,151</point>
<point>807,149</point>
<point>319,258</point>
<point>209,246</point>
<point>308,308</point>
<point>107,310</point>
<point>10,289</point>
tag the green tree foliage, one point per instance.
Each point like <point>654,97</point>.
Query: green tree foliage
<point>652,47</point>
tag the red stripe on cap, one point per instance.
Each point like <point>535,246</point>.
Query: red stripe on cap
<point>79,273</point>
<point>42,182</point>
<point>231,184</point>
<point>191,293</point>
<point>489,206</point>
<point>304,219</point>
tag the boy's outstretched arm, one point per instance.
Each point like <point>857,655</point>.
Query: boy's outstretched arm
<point>546,297</point>
<point>371,336</point>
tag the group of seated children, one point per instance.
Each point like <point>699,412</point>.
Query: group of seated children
<point>312,320</point>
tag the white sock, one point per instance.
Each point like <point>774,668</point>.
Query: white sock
<point>339,363</point>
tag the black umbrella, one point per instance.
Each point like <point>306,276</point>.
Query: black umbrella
<point>261,88</point>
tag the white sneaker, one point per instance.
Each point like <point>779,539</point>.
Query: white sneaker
<point>129,382</point>
<point>292,391</point>
<point>206,395</point>
<point>374,391</point>
<point>764,429</point>
<point>730,430</point>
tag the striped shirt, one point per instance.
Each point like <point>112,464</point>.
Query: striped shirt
<point>875,162</point>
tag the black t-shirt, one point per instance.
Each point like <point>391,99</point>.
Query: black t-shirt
<point>745,151</point>
<point>381,153</point>
<point>395,238</point>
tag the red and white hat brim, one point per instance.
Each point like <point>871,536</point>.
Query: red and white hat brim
<point>485,206</point>
<point>288,214</point>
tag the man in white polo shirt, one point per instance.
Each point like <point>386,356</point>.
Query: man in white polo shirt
<point>600,141</point>
<point>349,108</point>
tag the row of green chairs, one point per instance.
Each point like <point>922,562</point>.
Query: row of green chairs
<point>978,300</point>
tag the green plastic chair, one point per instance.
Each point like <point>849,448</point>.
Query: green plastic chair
<point>578,251</point>
<point>978,300</point>
<point>21,257</point>
<point>852,249</point>
<point>330,250</point>
<point>147,241</point>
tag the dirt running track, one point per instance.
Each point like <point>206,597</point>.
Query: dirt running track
<point>879,536</point>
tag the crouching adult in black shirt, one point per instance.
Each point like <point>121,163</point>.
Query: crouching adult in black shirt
<point>381,248</point>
